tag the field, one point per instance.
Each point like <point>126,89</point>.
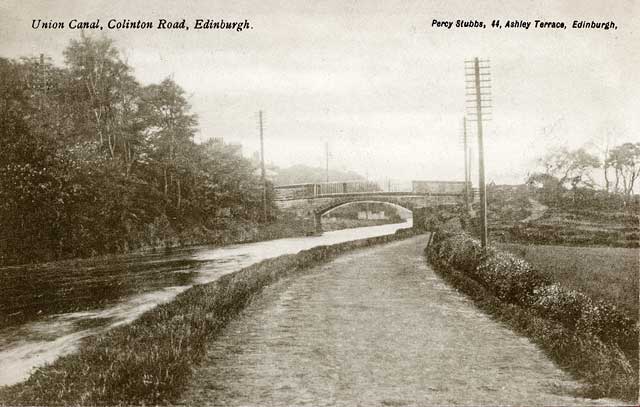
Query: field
<point>608,273</point>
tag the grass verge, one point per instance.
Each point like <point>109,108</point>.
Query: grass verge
<point>560,321</point>
<point>151,360</point>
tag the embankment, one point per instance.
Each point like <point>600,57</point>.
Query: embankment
<point>592,339</point>
<point>150,361</point>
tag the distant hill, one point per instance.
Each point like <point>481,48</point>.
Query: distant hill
<point>300,174</point>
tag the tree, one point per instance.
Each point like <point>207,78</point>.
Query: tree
<point>625,160</point>
<point>602,144</point>
<point>34,187</point>
<point>572,167</point>
<point>105,93</point>
<point>92,163</point>
<point>549,186</point>
<point>228,182</point>
<point>170,130</point>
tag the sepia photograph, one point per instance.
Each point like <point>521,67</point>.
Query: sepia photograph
<point>327,203</point>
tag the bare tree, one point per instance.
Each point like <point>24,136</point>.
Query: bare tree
<point>625,160</point>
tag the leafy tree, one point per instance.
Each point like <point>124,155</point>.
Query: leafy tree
<point>549,186</point>
<point>93,163</point>
<point>104,93</point>
<point>33,182</point>
<point>170,128</point>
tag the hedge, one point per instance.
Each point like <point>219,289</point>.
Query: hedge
<point>514,281</point>
<point>592,339</point>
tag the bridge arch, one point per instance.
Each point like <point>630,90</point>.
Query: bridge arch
<point>395,201</point>
<point>310,201</point>
<point>329,209</point>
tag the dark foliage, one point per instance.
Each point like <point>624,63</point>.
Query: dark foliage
<point>95,163</point>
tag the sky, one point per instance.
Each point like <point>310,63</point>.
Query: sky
<point>375,79</point>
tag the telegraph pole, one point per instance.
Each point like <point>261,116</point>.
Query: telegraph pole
<point>471,193</point>
<point>262,173</point>
<point>478,86</point>
<point>326,154</point>
<point>466,163</point>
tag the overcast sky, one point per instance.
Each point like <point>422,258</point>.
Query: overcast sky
<point>373,78</point>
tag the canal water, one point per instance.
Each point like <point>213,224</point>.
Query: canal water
<point>61,304</point>
<point>375,327</point>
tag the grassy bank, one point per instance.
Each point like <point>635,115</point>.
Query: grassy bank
<point>590,338</point>
<point>602,273</point>
<point>150,361</point>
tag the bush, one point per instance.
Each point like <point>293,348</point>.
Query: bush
<point>607,322</point>
<point>456,250</point>
<point>512,279</point>
<point>560,304</point>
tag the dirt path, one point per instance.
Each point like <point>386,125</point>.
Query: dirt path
<point>374,327</point>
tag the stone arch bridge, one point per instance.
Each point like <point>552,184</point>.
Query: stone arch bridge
<point>311,201</point>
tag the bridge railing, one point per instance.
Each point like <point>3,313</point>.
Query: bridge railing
<point>349,187</point>
<point>313,190</point>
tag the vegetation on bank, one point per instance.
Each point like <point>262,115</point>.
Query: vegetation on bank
<point>150,361</point>
<point>93,162</point>
<point>602,273</point>
<point>584,217</point>
<point>589,199</point>
<point>591,338</point>
<point>567,177</point>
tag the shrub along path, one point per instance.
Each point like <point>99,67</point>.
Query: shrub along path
<point>591,338</point>
<point>374,327</point>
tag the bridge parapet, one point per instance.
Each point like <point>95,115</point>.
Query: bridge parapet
<point>312,190</point>
<point>323,189</point>
<point>311,201</point>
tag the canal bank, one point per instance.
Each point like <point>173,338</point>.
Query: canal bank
<point>374,327</point>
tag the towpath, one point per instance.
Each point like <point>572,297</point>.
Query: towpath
<point>374,327</point>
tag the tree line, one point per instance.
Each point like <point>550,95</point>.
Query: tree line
<point>93,162</point>
<point>572,172</point>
